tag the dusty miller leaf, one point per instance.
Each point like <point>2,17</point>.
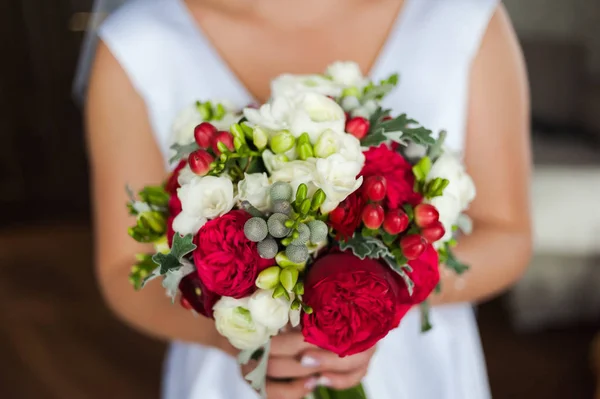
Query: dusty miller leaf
<point>401,271</point>
<point>365,247</point>
<point>182,151</point>
<point>173,278</point>
<point>172,261</point>
<point>257,377</point>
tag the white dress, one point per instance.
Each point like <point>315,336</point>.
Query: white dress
<point>171,64</point>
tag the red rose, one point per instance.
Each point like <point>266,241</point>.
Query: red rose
<point>174,210</point>
<point>227,262</point>
<point>197,295</point>
<point>425,274</point>
<point>355,303</point>
<point>346,218</point>
<point>172,184</point>
<point>382,161</point>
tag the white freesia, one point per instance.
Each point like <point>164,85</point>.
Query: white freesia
<point>457,195</point>
<point>296,173</point>
<point>201,199</point>
<point>288,85</point>
<point>346,73</point>
<point>295,317</point>
<point>272,162</point>
<point>234,321</point>
<point>190,117</point>
<point>336,176</point>
<point>255,189</point>
<point>270,312</point>
<point>185,175</point>
<point>312,113</point>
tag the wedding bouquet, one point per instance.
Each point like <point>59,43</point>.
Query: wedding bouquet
<point>307,211</point>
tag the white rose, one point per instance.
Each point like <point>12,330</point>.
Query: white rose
<point>347,74</point>
<point>203,198</point>
<point>234,321</point>
<point>272,313</point>
<point>310,112</point>
<point>296,173</point>
<point>336,176</point>
<point>457,195</point>
<point>288,85</point>
<point>255,189</point>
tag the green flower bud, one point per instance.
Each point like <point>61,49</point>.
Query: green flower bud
<point>299,288</point>
<point>248,130</point>
<point>281,191</point>
<point>237,132</point>
<point>283,261</point>
<point>326,145</point>
<point>295,305</point>
<point>282,142</point>
<point>305,206</point>
<point>268,279</point>
<point>290,224</point>
<point>297,253</point>
<point>317,200</point>
<point>155,221</point>
<point>302,235</point>
<point>276,225</point>
<point>205,110</point>
<point>280,292</point>
<point>318,231</point>
<point>267,248</point>
<point>255,229</point>
<point>238,144</point>
<point>219,112</point>
<point>351,91</point>
<point>222,148</point>
<point>307,309</point>
<point>259,138</point>
<point>303,139</point>
<point>305,151</point>
<point>289,278</point>
<point>301,193</point>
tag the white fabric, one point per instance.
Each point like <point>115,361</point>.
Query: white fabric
<point>432,45</point>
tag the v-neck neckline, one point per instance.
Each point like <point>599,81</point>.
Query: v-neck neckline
<point>238,85</point>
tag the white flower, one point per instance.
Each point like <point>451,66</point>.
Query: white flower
<point>185,175</point>
<point>190,117</point>
<point>309,112</point>
<point>296,173</point>
<point>457,195</point>
<point>346,73</point>
<point>255,189</point>
<point>336,176</point>
<point>288,85</point>
<point>272,313</point>
<point>295,317</point>
<point>234,321</point>
<point>201,199</point>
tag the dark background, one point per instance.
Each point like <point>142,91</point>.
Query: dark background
<point>58,340</point>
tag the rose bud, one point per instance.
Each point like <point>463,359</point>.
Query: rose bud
<point>200,161</point>
<point>203,134</point>
<point>375,188</point>
<point>222,137</point>
<point>395,222</point>
<point>426,215</point>
<point>434,232</point>
<point>358,127</point>
<point>372,216</point>
<point>413,246</point>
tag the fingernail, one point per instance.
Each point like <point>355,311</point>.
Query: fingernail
<point>311,384</point>
<point>324,382</point>
<point>308,361</point>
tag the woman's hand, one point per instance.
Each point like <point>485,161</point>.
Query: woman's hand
<point>296,368</point>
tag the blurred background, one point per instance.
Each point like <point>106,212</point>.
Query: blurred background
<point>58,340</point>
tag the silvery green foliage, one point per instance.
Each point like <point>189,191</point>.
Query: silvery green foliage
<point>318,231</point>
<point>173,278</point>
<point>276,225</point>
<point>267,248</point>
<point>304,235</point>
<point>297,253</point>
<point>257,377</point>
<point>255,229</point>
<point>281,191</point>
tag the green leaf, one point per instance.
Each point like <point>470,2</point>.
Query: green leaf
<point>155,196</point>
<point>172,261</point>
<point>256,165</point>
<point>388,239</point>
<point>182,151</point>
<point>401,270</point>
<point>141,270</point>
<point>436,149</point>
<point>375,138</point>
<point>425,322</point>
<point>422,169</point>
<point>400,129</point>
<point>377,92</point>
<point>453,263</point>
<point>378,116</point>
<point>365,247</point>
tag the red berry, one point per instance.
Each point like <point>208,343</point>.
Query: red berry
<point>337,215</point>
<point>185,303</point>
<point>375,188</point>
<point>426,215</point>
<point>395,222</point>
<point>413,246</point>
<point>203,133</point>
<point>200,161</point>
<point>434,232</point>
<point>358,127</point>
<point>372,216</point>
<point>223,137</point>
<point>387,118</point>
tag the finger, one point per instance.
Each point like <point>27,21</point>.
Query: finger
<point>342,381</point>
<point>289,367</point>
<point>289,344</point>
<point>295,389</point>
<point>328,361</point>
